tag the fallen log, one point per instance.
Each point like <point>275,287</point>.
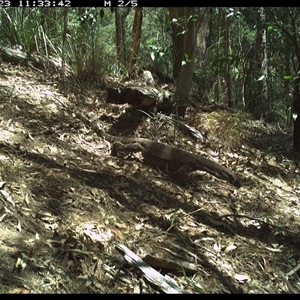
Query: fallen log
<point>35,61</point>
<point>145,98</point>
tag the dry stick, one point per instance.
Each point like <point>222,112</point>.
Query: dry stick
<point>293,271</point>
<point>150,274</point>
<point>255,219</point>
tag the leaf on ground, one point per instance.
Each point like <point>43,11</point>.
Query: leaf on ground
<point>229,248</point>
<point>139,226</point>
<point>53,149</point>
<point>97,235</point>
<point>241,278</point>
<point>39,149</point>
<point>19,291</point>
<point>20,264</point>
<point>7,197</point>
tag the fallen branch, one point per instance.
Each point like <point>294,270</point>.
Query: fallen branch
<point>150,274</point>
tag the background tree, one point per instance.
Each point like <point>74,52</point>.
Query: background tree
<point>290,29</point>
<point>263,58</point>
<point>244,57</point>
<point>227,73</point>
<point>186,22</point>
<point>64,40</point>
<point>120,16</point>
<point>136,37</point>
<point>176,15</point>
<point>259,103</point>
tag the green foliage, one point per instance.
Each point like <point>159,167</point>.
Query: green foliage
<point>90,48</point>
<point>90,55</point>
<point>81,52</point>
<point>157,53</point>
<point>19,27</point>
<point>156,44</point>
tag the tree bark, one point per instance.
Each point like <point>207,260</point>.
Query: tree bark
<point>136,38</point>
<point>296,116</point>
<point>292,34</point>
<point>262,106</point>
<point>185,24</point>
<point>120,36</point>
<point>187,70</point>
<point>64,40</point>
<point>227,76</point>
<point>178,39</point>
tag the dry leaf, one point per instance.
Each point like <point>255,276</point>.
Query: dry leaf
<point>89,226</point>
<point>2,217</point>
<point>19,228</point>
<point>241,278</point>
<point>19,291</point>
<point>20,265</point>
<point>39,149</point>
<point>120,225</point>
<point>7,196</point>
<point>118,234</point>
<point>217,247</point>
<point>230,248</point>
<point>136,289</point>
<point>139,226</point>
<point>53,149</point>
<point>26,198</point>
<point>102,236</point>
<point>277,182</point>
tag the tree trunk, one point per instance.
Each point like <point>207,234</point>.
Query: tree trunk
<point>120,35</point>
<point>178,39</point>
<point>187,69</point>
<point>185,24</point>
<point>292,34</point>
<point>203,55</point>
<point>218,49</point>
<point>256,68</point>
<point>64,41</point>
<point>136,38</point>
<point>296,116</point>
<point>227,76</point>
<point>265,106</point>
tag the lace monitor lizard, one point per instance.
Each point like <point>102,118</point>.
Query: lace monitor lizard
<point>169,158</point>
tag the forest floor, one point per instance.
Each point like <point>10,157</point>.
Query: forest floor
<point>65,201</point>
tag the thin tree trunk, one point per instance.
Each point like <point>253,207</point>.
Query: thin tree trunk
<point>218,83</point>
<point>64,39</point>
<point>136,38</point>
<point>264,58</point>
<point>185,24</point>
<point>120,36</point>
<point>227,76</point>
<point>187,69</point>
<point>176,13</point>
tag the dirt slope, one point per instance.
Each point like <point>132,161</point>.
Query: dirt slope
<point>65,201</point>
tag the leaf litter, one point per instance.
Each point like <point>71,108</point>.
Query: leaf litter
<point>66,202</point>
